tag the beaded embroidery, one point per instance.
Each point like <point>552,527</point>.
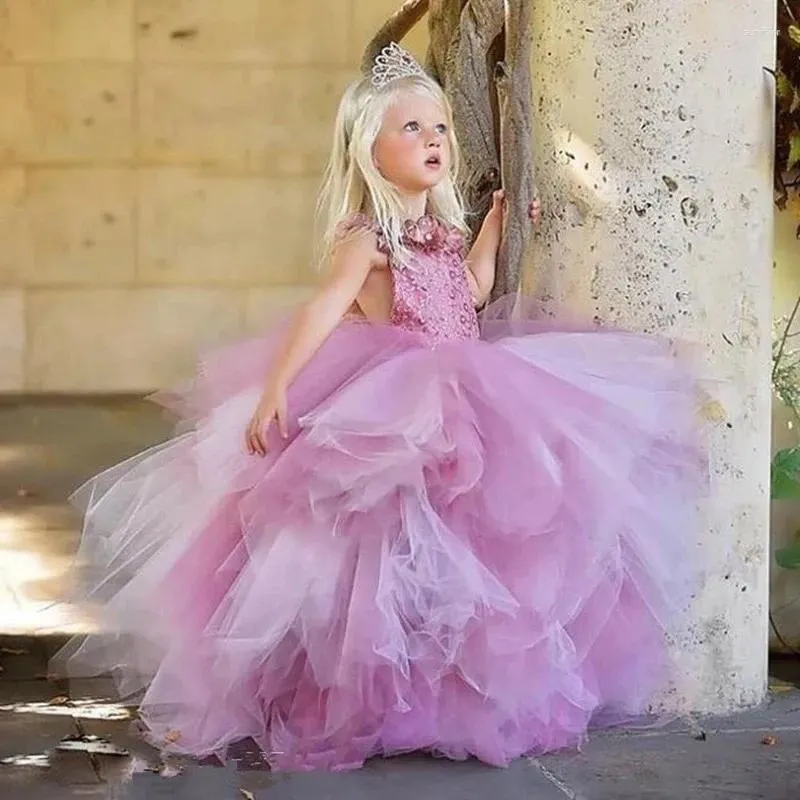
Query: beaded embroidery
<point>430,292</point>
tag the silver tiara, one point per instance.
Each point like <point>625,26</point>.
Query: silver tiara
<point>393,63</point>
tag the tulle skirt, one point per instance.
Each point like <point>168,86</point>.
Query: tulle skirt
<point>473,550</point>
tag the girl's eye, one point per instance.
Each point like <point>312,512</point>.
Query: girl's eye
<point>411,126</point>
<point>441,128</point>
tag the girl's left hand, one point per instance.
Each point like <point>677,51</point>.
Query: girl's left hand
<point>498,207</point>
<point>535,211</point>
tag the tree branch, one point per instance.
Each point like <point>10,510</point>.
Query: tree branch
<point>443,24</point>
<point>513,86</point>
<point>462,34</point>
<point>394,29</point>
<point>480,52</point>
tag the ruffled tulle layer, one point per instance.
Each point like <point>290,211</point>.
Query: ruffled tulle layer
<point>473,550</point>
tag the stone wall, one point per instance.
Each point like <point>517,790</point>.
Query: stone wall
<point>159,163</point>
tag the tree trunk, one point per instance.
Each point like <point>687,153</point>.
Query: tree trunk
<point>479,51</point>
<point>513,82</point>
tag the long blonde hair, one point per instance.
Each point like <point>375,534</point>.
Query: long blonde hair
<point>352,182</point>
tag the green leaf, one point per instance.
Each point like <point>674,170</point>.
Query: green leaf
<point>794,33</point>
<point>784,88</point>
<point>787,459</point>
<point>788,557</point>
<point>784,487</point>
<point>794,151</point>
<point>785,474</point>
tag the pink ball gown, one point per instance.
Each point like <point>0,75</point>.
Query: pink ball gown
<point>471,543</point>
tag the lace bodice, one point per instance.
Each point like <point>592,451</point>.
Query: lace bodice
<point>430,292</point>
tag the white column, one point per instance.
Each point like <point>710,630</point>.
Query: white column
<point>653,143</point>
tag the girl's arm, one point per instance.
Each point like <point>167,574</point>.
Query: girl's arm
<point>351,263</point>
<point>482,258</point>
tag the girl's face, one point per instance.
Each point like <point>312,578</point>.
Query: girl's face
<point>412,150</point>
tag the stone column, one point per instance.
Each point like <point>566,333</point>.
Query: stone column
<point>653,144</point>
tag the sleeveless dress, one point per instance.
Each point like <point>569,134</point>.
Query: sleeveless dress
<point>472,543</point>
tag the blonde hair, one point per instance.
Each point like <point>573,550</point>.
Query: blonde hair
<point>353,183</point>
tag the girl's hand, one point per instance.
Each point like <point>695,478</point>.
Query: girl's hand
<point>535,211</point>
<point>271,406</point>
<point>498,207</point>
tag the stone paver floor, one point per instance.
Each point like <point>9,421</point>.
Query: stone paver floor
<point>61,740</point>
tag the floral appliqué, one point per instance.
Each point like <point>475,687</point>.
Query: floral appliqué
<point>431,235</point>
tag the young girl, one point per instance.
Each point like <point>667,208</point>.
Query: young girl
<point>426,536</point>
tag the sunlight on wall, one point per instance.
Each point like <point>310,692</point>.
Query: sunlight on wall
<point>590,172</point>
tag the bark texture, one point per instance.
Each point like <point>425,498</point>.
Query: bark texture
<point>480,53</point>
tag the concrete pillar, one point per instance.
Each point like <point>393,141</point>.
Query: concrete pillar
<point>653,140</point>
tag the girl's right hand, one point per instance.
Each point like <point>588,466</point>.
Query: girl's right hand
<point>271,406</point>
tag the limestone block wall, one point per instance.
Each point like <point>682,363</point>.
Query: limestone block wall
<point>159,163</point>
